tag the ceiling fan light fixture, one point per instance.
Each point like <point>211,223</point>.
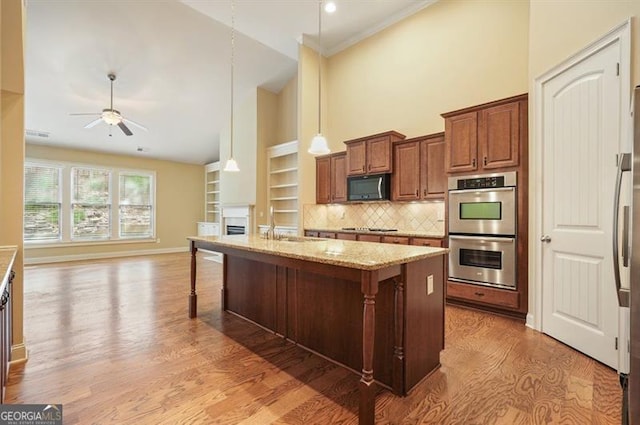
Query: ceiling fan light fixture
<point>111,117</point>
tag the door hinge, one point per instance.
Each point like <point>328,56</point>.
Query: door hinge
<point>618,68</point>
<point>616,343</point>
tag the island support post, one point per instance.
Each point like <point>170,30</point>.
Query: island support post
<point>369,287</point>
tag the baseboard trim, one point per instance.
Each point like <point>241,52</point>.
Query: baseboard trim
<point>101,255</point>
<point>19,354</point>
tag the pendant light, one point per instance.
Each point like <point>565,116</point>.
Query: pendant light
<point>231,164</point>
<point>319,144</point>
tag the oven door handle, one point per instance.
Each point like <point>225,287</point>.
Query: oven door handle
<point>492,189</point>
<point>480,239</point>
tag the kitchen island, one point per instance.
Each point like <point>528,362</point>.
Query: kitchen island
<point>377,309</point>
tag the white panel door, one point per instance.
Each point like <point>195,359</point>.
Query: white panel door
<point>581,128</point>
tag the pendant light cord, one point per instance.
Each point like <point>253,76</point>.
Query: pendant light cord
<point>319,66</point>
<point>232,64</point>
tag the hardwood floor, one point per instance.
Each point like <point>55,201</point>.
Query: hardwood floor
<point>111,341</point>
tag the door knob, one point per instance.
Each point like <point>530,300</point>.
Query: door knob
<point>546,238</point>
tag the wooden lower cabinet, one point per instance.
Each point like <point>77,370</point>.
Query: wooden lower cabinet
<point>427,242</point>
<point>484,295</point>
<point>401,240</point>
<point>372,237</point>
<point>368,238</point>
<point>320,308</point>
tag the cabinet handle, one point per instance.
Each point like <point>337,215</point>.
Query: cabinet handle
<point>417,193</point>
<point>479,294</point>
<point>369,167</point>
<point>473,162</point>
<point>425,192</point>
<point>426,244</point>
<point>363,168</point>
<point>485,160</point>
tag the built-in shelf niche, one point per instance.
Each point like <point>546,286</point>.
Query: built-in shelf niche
<point>283,182</point>
<point>212,192</point>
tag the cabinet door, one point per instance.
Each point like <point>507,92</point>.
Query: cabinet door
<point>461,142</point>
<point>368,238</point>
<point>499,136</point>
<point>379,155</point>
<point>339,177</point>
<point>356,158</point>
<point>406,178</point>
<point>426,242</point>
<point>433,180</point>
<point>323,180</point>
<point>400,240</point>
<point>347,236</point>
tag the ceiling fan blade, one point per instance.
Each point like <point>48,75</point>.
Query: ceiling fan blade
<point>93,123</point>
<point>88,113</point>
<point>124,128</point>
<point>140,126</point>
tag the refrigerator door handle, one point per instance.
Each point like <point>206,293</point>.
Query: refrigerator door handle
<point>624,164</point>
<point>625,236</point>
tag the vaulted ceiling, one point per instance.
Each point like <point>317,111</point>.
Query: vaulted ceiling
<point>172,65</point>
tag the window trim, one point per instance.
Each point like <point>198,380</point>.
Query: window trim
<point>66,215</point>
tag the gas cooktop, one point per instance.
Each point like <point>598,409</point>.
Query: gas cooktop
<point>370,229</point>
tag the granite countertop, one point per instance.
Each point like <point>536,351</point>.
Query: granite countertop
<point>352,254</point>
<point>406,233</point>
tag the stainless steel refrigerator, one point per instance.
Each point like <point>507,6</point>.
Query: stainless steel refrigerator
<point>629,293</point>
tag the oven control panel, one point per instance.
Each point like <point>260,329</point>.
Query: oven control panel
<point>487,181</point>
<point>481,182</point>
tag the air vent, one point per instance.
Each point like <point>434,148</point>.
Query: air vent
<point>37,133</point>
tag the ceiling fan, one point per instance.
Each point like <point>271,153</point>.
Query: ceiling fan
<point>112,116</point>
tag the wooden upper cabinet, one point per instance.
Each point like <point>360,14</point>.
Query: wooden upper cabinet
<point>406,178</point>
<point>371,154</point>
<point>331,178</point>
<point>461,138</point>
<point>418,165</point>
<point>486,137</point>
<point>433,180</point>
<point>323,179</point>
<point>499,136</point>
<point>338,177</point>
<point>357,158</point>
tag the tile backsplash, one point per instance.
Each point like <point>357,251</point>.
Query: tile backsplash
<point>427,217</point>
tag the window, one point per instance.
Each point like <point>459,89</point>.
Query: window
<point>41,202</point>
<point>135,206</point>
<point>67,203</point>
<point>90,204</point>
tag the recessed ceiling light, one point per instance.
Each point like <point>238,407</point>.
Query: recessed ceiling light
<point>330,7</point>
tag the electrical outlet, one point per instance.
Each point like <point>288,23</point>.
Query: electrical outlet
<point>158,240</point>
<point>430,284</point>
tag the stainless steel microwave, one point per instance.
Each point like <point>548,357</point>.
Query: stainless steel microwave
<point>376,187</point>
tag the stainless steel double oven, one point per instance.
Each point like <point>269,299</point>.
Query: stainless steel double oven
<point>482,229</point>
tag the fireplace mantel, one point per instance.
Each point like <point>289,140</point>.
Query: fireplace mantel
<point>238,215</point>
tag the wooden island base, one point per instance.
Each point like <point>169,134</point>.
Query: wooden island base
<point>384,324</point>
